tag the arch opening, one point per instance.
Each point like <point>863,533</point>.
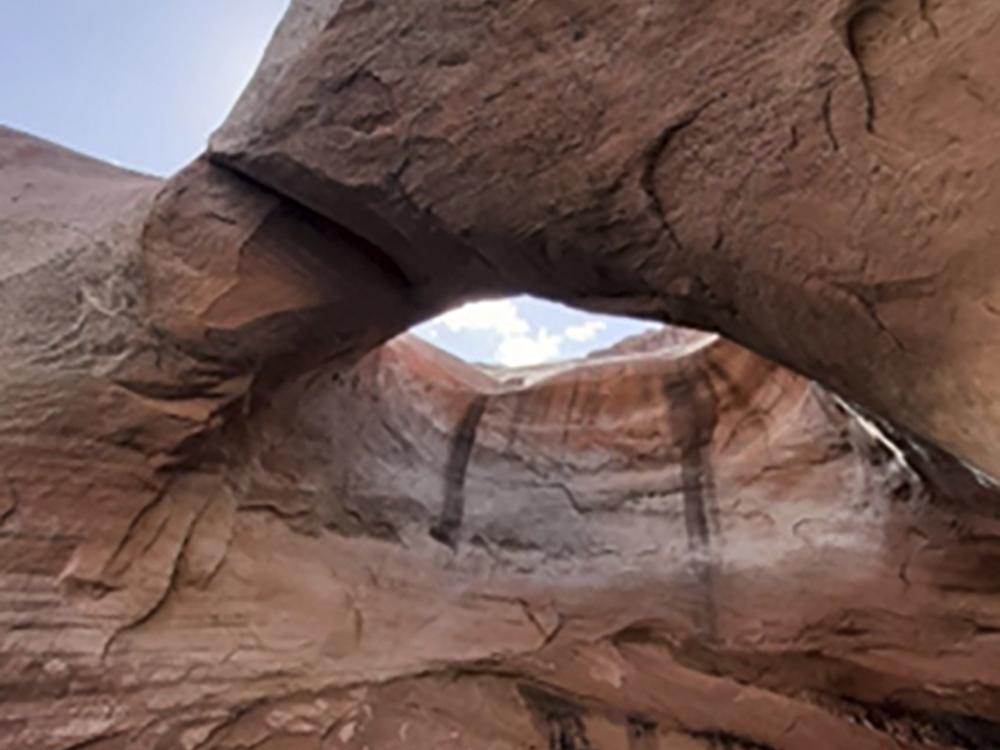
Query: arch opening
<point>512,333</point>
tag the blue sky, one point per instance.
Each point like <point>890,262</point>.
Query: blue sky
<point>143,83</point>
<point>524,331</point>
<point>138,82</point>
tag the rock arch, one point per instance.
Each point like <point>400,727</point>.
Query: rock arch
<point>218,484</point>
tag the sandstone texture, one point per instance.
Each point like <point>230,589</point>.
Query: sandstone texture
<point>238,509</point>
<point>816,180</point>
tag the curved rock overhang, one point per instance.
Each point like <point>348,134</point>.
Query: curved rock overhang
<point>814,180</point>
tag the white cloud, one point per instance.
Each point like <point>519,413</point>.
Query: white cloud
<point>499,315</point>
<point>585,331</point>
<point>519,342</point>
<point>520,351</point>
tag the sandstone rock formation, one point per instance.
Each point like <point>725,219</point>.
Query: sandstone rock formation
<point>817,180</point>
<point>232,516</point>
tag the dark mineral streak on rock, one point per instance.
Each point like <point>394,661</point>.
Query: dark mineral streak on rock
<point>566,732</point>
<point>562,717</point>
<point>907,726</point>
<point>453,509</point>
<point>692,409</point>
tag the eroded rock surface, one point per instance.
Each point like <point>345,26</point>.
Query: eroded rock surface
<point>232,516</point>
<point>817,180</point>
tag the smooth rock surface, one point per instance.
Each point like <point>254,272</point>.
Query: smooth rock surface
<point>817,181</point>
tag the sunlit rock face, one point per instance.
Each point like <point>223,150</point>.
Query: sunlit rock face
<point>238,511</point>
<point>817,180</point>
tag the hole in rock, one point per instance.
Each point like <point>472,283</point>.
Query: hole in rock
<point>527,332</point>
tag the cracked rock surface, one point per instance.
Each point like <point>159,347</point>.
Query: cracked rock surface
<point>816,180</point>
<point>239,510</point>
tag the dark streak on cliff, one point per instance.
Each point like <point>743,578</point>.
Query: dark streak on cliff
<point>692,409</point>
<point>459,453</point>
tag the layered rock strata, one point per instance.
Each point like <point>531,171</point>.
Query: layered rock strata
<point>233,516</point>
